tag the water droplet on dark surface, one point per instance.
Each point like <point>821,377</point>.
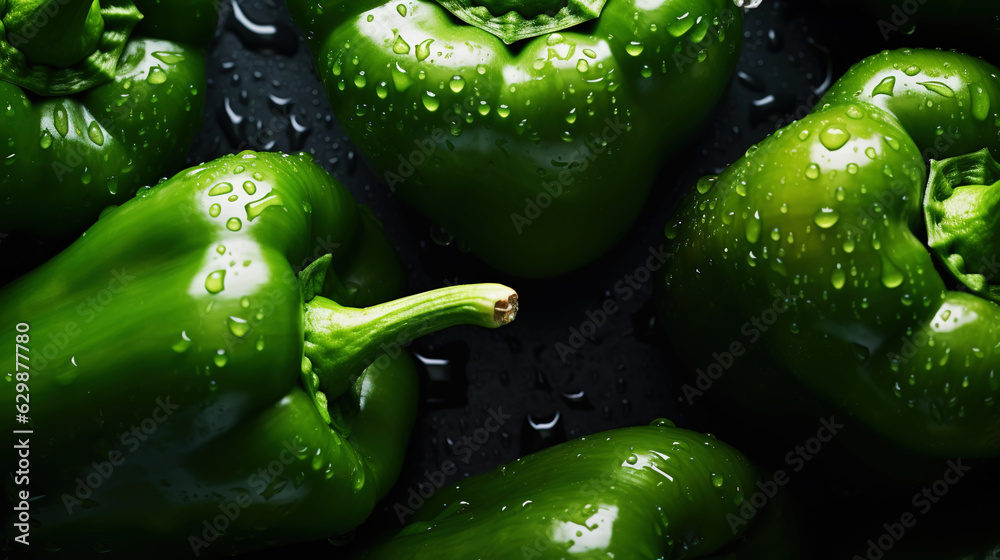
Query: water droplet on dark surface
<point>542,381</point>
<point>514,344</point>
<point>644,324</point>
<point>447,385</point>
<point>265,38</point>
<point>297,133</point>
<point>352,163</point>
<point>774,40</point>
<point>231,123</point>
<point>505,440</point>
<point>577,400</point>
<point>282,104</point>
<point>342,539</point>
<point>828,77</point>
<point>542,430</point>
<point>751,82</point>
<point>440,235</point>
<point>774,106</point>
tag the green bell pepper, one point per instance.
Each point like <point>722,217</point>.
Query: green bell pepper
<point>809,254</point>
<point>97,99</point>
<point>631,494</point>
<point>563,130</point>
<point>175,364</point>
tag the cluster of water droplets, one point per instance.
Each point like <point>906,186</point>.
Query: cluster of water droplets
<point>412,87</point>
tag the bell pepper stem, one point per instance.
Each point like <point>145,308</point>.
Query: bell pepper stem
<point>514,20</point>
<point>961,206</point>
<point>340,342</point>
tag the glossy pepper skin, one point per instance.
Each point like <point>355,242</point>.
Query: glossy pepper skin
<point>84,125</point>
<point>537,155</point>
<point>176,347</point>
<point>633,493</point>
<point>810,250</point>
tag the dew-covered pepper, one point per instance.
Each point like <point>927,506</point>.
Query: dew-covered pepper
<point>97,98</point>
<point>632,494</point>
<point>531,130</point>
<point>854,277</point>
<point>208,367</point>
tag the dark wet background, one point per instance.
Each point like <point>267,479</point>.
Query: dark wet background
<point>263,95</point>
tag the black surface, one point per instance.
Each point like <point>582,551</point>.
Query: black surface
<point>263,94</point>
